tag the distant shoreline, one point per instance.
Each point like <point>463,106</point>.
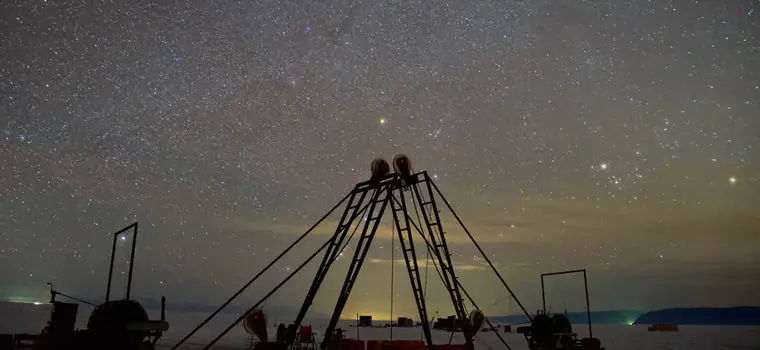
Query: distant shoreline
<point>705,316</point>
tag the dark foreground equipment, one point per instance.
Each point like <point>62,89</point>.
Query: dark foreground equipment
<point>556,332</point>
<point>115,324</point>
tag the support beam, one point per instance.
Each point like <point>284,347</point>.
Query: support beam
<point>472,301</point>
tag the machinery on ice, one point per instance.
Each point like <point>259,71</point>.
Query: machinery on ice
<point>114,324</point>
<point>124,324</point>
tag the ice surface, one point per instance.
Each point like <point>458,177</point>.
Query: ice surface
<point>27,318</point>
<point>612,337</point>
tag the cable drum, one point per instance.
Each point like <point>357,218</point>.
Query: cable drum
<point>112,318</point>
<point>380,168</point>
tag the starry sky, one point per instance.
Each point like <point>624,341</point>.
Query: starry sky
<point>622,137</point>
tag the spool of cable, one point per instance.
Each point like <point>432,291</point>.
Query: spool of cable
<point>255,323</point>
<point>380,168</point>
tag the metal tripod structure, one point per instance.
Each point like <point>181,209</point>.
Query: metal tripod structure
<point>377,194</point>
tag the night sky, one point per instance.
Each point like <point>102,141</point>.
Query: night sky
<point>618,136</point>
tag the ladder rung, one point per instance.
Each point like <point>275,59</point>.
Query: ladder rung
<point>428,202</point>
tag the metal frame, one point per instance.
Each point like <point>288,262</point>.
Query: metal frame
<point>371,225</point>
<point>133,227</point>
<point>585,285</point>
<point>384,190</point>
<point>438,240</point>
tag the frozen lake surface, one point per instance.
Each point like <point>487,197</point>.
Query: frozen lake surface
<point>27,318</point>
<point>612,336</point>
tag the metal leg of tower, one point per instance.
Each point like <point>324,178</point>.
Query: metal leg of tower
<point>333,250</point>
<point>398,206</point>
<point>376,209</point>
<point>469,297</point>
<point>437,238</point>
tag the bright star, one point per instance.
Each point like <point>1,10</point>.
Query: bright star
<point>732,180</point>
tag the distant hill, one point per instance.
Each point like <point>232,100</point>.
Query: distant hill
<point>730,316</point>
<point>621,317</point>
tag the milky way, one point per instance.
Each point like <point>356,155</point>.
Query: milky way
<point>621,137</point>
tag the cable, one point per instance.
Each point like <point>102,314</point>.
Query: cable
<point>393,262</point>
<point>266,297</point>
<point>482,253</point>
<point>245,286</point>
<point>297,270</point>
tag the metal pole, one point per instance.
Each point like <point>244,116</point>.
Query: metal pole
<point>543,294</point>
<point>110,270</point>
<point>242,289</point>
<point>393,263</point>
<point>131,261</point>
<point>298,269</point>
<point>485,257</point>
<point>113,255</point>
<point>588,306</point>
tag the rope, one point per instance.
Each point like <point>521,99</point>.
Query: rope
<point>393,262</point>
